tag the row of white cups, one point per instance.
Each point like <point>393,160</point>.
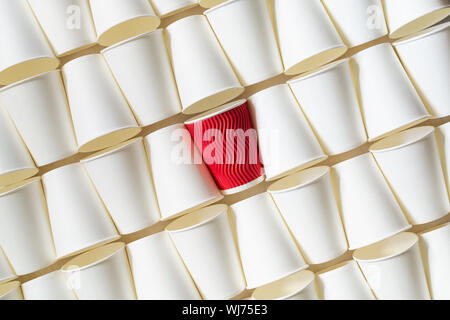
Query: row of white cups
<point>196,258</point>
<point>366,97</point>
<point>312,216</point>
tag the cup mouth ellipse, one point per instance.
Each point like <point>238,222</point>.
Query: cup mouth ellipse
<point>111,150</point>
<point>93,257</point>
<point>421,34</point>
<point>401,139</point>
<point>223,3</point>
<point>387,248</point>
<point>8,287</point>
<point>216,111</point>
<point>316,72</point>
<point>27,69</point>
<point>41,75</point>
<point>17,186</point>
<point>298,180</point>
<point>335,267</point>
<point>197,218</point>
<point>441,226</point>
<point>120,43</point>
<point>284,288</point>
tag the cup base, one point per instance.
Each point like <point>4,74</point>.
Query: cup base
<point>244,187</point>
<point>128,29</point>
<point>27,69</point>
<point>109,140</point>
<point>421,23</point>
<point>317,60</point>
<point>16,176</point>
<point>214,100</point>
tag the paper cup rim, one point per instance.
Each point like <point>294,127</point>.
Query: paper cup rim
<point>316,72</point>
<point>153,235</point>
<point>266,89</point>
<point>383,250</point>
<point>401,139</point>
<point>131,131</point>
<point>90,247</point>
<point>440,226</point>
<point>393,34</point>
<point>292,70</point>
<point>185,19</point>
<point>111,150</point>
<point>8,287</point>
<point>305,166</point>
<point>405,126</point>
<point>306,278</point>
<point>258,195</point>
<point>284,275</point>
<point>21,174</point>
<point>365,51</point>
<point>8,278</point>
<point>197,218</point>
<point>216,111</point>
<point>120,43</point>
<point>298,180</point>
<point>17,186</point>
<point>219,6</point>
<point>40,75</point>
<point>93,257</point>
<point>56,63</point>
<point>195,207</point>
<point>174,126</point>
<point>335,267</point>
<point>154,18</point>
<point>185,5</point>
<point>380,238</point>
<point>80,58</point>
<point>47,275</point>
<point>421,34</point>
<point>200,105</point>
<point>244,187</point>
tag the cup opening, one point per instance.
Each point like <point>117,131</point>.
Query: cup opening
<point>194,208</point>
<point>128,29</point>
<point>197,218</point>
<point>317,60</point>
<point>118,44</point>
<point>284,288</point>
<point>301,167</point>
<point>401,139</point>
<point>93,257</point>
<point>35,77</point>
<point>335,267</point>
<point>421,23</point>
<point>213,100</point>
<point>90,247</point>
<point>401,128</point>
<point>298,180</point>
<point>422,34</point>
<point>10,179</point>
<point>108,151</point>
<point>211,3</point>
<point>317,72</point>
<point>8,287</point>
<point>216,111</point>
<point>387,248</point>
<point>109,140</point>
<point>27,69</point>
<point>219,4</point>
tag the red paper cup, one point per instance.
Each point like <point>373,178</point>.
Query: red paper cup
<point>229,146</point>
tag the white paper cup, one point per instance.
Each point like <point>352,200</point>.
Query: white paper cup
<point>307,203</point>
<point>436,257</point>
<point>359,21</point>
<point>204,240</point>
<point>389,101</point>
<point>122,177</point>
<point>307,37</point>
<point>343,282</point>
<point>331,91</point>
<point>11,291</point>
<point>52,286</point>
<point>443,136</point>
<point>286,141</point>
<point>268,252</point>
<point>426,74</point>
<point>28,52</point>
<point>299,286</point>
<point>142,69</point>
<point>250,44</point>
<point>117,20</point>
<point>78,217</point>
<point>15,161</point>
<point>204,76</point>
<point>101,274</point>
<point>158,271</point>
<point>100,113</point>
<point>370,212</point>
<point>6,272</point>
<point>394,269</point>
<point>405,17</point>
<point>25,234</point>
<point>165,8</point>
<point>67,24</point>
<point>39,110</point>
<point>182,181</point>
<point>410,162</point>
